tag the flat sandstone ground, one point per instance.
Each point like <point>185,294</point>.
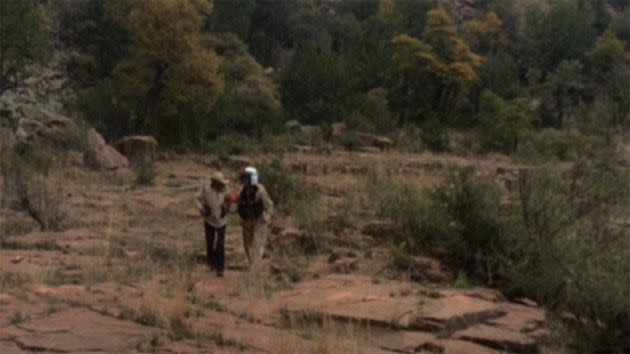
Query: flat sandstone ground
<point>125,276</point>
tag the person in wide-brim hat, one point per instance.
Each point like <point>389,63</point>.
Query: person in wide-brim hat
<point>213,203</point>
<point>220,178</point>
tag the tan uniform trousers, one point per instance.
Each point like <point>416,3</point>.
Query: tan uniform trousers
<point>255,234</point>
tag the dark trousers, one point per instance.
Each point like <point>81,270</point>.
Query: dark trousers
<point>215,244</point>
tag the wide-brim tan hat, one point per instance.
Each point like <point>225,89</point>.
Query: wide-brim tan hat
<point>219,177</point>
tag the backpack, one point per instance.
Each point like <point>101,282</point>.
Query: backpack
<point>249,206</point>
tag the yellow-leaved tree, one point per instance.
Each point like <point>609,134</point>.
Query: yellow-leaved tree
<point>488,35</point>
<point>428,75</point>
<point>170,79</point>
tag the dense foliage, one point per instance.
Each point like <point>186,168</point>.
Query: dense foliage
<point>191,71</point>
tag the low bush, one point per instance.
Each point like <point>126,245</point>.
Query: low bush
<point>502,124</point>
<point>569,253</point>
<point>293,196</point>
<point>145,169</point>
<point>434,134</point>
<point>559,144</point>
<point>230,144</point>
<point>27,183</point>
<point>561,243</point>
<point>350,142</point>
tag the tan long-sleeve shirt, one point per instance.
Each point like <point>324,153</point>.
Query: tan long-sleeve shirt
<point>216,201</point>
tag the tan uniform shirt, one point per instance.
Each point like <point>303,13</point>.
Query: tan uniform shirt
<point>215,200</point>
<point>267,203</point>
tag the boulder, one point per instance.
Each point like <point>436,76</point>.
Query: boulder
<point>292,125</point>
<point>133,146</point>
<point>379,141</point>
<point>498,338</point>
<point>41,123</point>
<point>369,149</point>
<point>101,155</point>
<point>302,149</point>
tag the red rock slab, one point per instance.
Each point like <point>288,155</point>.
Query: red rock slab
<point>10,348</point>
<point>464,347</point>
<point>261,338</point>
<point>78,240</point>
<point>11,306</point>
<point>486,294</point>
<point>351,298</point>
<point>77,329</point>
<point>452,313</point>
<point>520,318</point>
<point>408,341</point>
<point>498,338</point>
<point>230,330</point>
<point>195,347</point>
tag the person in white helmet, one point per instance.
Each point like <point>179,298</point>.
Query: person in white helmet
<point>255,209</point>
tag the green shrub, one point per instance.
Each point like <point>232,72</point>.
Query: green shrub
<point>145,169</point>
<point>100,106</point>
<point>408,207</point>
<point>502,124</point>
<point>472,209</point>
<point>73,137</point>
<point>434,134</point>
<point>560,244</point>
<point>27,184</point>
<point>409,139</point>
<point>350,142</point>
<point>567,251</point>
<point>291,195</point>
<point>560,144</point>
<point>230,144</point>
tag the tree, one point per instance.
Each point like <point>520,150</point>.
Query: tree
<point>612,77</point>
<point>251,102</point>
<point>488,34</point>
<point>608,52</point>
<point>502,124</point>
<point>562,91</point>
<point>97,29</point>
<point>318,85</point>
<point>233,16</point>
<point>170,77</point>
<point>499,74</point>
<point>431,75</point>
<point>566,32</point>
<point>24,39</point>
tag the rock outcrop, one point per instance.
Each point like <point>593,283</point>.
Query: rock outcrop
<point>101,155</point>
<point>134,146</point>
<point>436,321</point>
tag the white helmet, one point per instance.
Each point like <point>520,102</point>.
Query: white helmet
<point>253,175</point>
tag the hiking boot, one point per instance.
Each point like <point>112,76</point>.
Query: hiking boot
<point>220,274</point>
